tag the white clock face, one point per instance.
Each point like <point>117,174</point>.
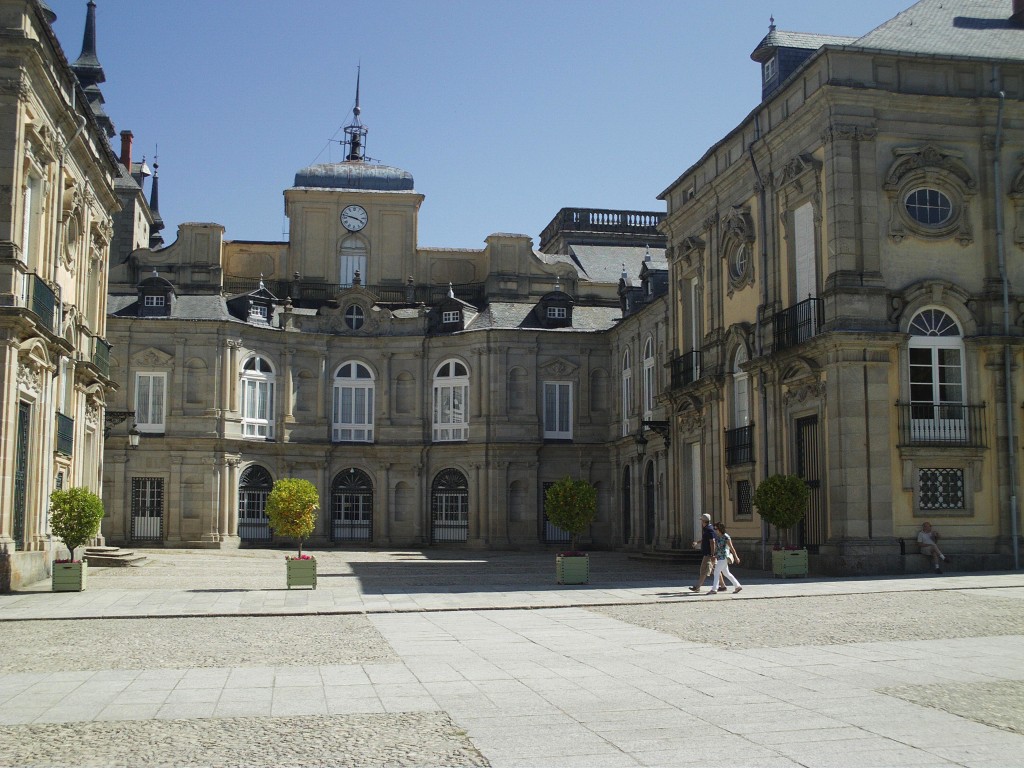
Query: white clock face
<point>354,218</point>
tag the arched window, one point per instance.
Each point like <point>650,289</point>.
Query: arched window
<point>935,356</point>
<point>257,398</point>
<point>352,506</point>
<point>449,507</point>
<point>254,486</point>
<point>740,390</point>
<point>352,412</point>
<point>451,402</point>
<point>649,388</point>
<point>352,260</point>
<point>627,392</point>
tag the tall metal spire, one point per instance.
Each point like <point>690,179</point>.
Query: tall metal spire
<point>156,240</point>
<point>89,71</point>
<point>355,132</point>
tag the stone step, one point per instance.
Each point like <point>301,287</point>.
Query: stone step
<point>113,557</point>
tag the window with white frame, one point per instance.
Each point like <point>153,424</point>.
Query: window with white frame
<point>451,316</point>
<point>557,410</point>
<point>257,398</point>
<point>740,390</point>
<point>352,419</point>
<point>259,312</point>
<point>451,402</point>
<point>935,355</point>
<point>557,313</point>
<point>627,392</point>
<point>648,381</point>
<point>154,301</point>
<point>353,260</point>
<point>150,402</point>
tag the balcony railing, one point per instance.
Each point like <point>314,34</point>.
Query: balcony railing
<point>101,356</point>
<point>797,324</point>
<point>42,301</point>
<point>685,369</point>
<point>948,424</point>
<point>739,445</point>
<point>65,434</point>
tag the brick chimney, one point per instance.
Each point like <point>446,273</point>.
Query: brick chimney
<point>126,150</point>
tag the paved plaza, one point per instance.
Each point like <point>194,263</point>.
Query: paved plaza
<point>463,658</point>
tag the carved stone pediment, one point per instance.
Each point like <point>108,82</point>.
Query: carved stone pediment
<point>795,171</point>
<point>738,224</point>
<point>151,357</point>
<point>910,159</point>
<point>559,368</point>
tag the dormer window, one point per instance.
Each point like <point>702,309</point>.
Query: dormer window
<point>451,316</point>
<point>770,68</point>
<point>259,313</point>
<point>354,317</point>
<point>557,313</point>
<point>154,301</point>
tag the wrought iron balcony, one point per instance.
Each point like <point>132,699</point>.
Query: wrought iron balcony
<point>101,356</point>
<point>797,324</point>
<point>948,424</point>
<point>65,434</point>
<point>739,446</point>
<point>685,369</point>
<point>42,301</point>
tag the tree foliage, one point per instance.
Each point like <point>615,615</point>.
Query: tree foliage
<point>571,505</point>
<point>782,501</point>
<point>75,516</point>
<point>291,508</point>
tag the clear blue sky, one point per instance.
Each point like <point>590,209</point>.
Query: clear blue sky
<point>504,112</point>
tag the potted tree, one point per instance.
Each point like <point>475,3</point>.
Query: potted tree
<point>75,517</point>
<point>291,511</point>
<point>571,505</point>
<point>782,501</point>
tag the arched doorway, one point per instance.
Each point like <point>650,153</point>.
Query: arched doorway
<point>449,507</point>
<point>352,506</point>
<point>254,486</point>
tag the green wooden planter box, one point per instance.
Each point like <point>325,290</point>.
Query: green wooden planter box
<point>789,562</point>
<point>69,577</point>
<point>572,569</point>
<point>302,573</point>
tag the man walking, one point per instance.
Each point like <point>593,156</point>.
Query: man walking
<point>707,550</point>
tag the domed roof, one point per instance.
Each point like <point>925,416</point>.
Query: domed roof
<point>355,175</point>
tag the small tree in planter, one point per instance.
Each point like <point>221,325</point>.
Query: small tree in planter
<point>782,501</point>
<point>291,511</point>
<point>75,517</point>
<point>571,505</point>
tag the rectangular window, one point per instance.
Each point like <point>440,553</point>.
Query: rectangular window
<point>154,301</point>
<point>770,68</point>
<point>150,402</point>
<point>556,313</point>
<point>258,312</point>
<point>451,420</point>
<point>557,410</point>
<point>451,317</point>
<point>744,507</point>
<point>257,408</point>
<point>353,414</point>
<point>350,265</point>
<point>941,489</point>
<point>30,225</point>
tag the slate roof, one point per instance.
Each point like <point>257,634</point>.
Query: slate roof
<point>603,263</point>
<point>207,307</point>
<point>975,28</point>
<point>512,315</point>
<point>807,41</point>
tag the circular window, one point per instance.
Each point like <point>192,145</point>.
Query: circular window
<point>738,262</point>
<point>354,317</point>
<point>929,207</point>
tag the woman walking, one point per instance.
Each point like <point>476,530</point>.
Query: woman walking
<point>723,547</point>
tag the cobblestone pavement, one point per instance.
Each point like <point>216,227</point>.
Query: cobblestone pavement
<point>810,673</point>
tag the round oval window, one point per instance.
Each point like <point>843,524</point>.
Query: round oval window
<point>929,207</point>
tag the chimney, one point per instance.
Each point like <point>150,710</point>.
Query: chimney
<point>126,150</point>
<point>1018,11</point>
